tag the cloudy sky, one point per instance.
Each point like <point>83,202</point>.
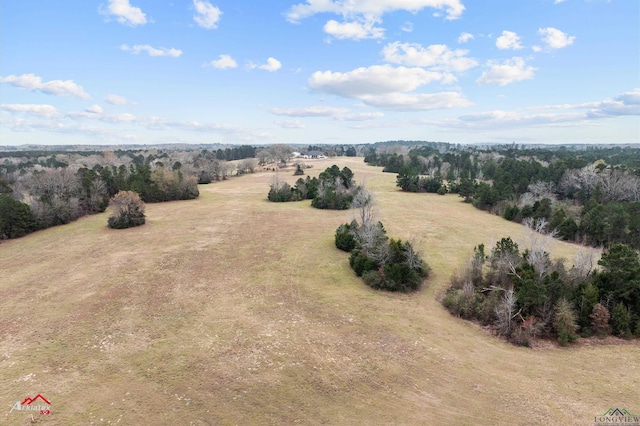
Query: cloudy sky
<point>319,71</point>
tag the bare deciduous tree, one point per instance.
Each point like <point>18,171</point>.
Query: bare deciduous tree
<point>538,191</point>
<point>585,179</point>
<point>370,234</point>
<point>584,262</point>
<point>539,241</point>
<point>413,258</point>
<point>363,205</point>
<point>506,313</point>
<point>248,165</point>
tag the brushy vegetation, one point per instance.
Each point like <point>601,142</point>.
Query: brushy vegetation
<point>383,263</point>
<point>128,210</point>
<point>524,294</point>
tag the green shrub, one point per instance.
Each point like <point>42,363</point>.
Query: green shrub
<point>360,263</point>
<point>16,218</point>
<point>565,322</point>
<point>372,278</point>
<point>621,321</point>
<point>280,193</point>
<point>460,303</point>
<point>345,238</point>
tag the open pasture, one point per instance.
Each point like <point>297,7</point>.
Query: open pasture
<point>232,310</point>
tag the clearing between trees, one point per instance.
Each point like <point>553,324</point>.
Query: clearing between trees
<point>230,309</point>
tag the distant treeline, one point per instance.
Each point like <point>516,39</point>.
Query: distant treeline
<point>590,195</point>
<point>40,189</point>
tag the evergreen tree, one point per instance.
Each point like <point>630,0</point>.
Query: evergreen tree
<point>16,218</point>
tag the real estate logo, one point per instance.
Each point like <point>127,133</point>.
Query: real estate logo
<point>617,416</point>
<point>37,403</point>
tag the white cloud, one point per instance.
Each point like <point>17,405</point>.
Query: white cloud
<point>46,111</point>
<point>417,101</point>
<point>360,116</point>
<point>314,111</point>
<point>625,104</point>
<point>207,15</point>
<point>374,80</point>
<point>336,113</point>
<point>436,56</point>
<point>53,87</point>
<point>354,30</point>
<point>74,123</point>
<point>371,8</point>
<point>386,86</point>
<point>509,71</point>
<point>223,62</point>
<point>554,38</point>
<point>630,98</point>
<point>407,27</point>
<point>94,109</point>
<point>125,13</point>
<point>558,1</point>
<point>272,65</point>
<point>118,100</point>
<point>95,112</point>
<point>293,124</point>
<point>508,40</point>
<point>151,51</point>
<point>465,37</point>
<point>491,119</point>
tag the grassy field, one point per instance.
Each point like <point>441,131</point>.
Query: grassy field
<point>230,310</point>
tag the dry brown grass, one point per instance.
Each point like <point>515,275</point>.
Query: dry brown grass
<point>233,310</point>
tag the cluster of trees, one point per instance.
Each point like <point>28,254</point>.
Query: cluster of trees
<point>16,218</point>
<point>524,294</point>
<point>304,189</point>
<point>589,194</point>
<point>127,210</point>
<point>158,185</point>
<point>334,189</point>
<point>410,181</point>
<point>383,263</point>
<point>208,168</point>
<point>57,196</point>
<point>235,153</point>
<point>43,189</point>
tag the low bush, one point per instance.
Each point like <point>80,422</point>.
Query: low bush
<point>128,210</point>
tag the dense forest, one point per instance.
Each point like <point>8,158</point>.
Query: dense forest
<point>589,195</point>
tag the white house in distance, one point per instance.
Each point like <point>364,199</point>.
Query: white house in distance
<point>314,154</point>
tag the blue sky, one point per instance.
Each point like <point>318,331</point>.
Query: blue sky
<point>319,71</point>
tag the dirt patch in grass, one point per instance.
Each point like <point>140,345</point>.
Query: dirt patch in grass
<point>229,309</point>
